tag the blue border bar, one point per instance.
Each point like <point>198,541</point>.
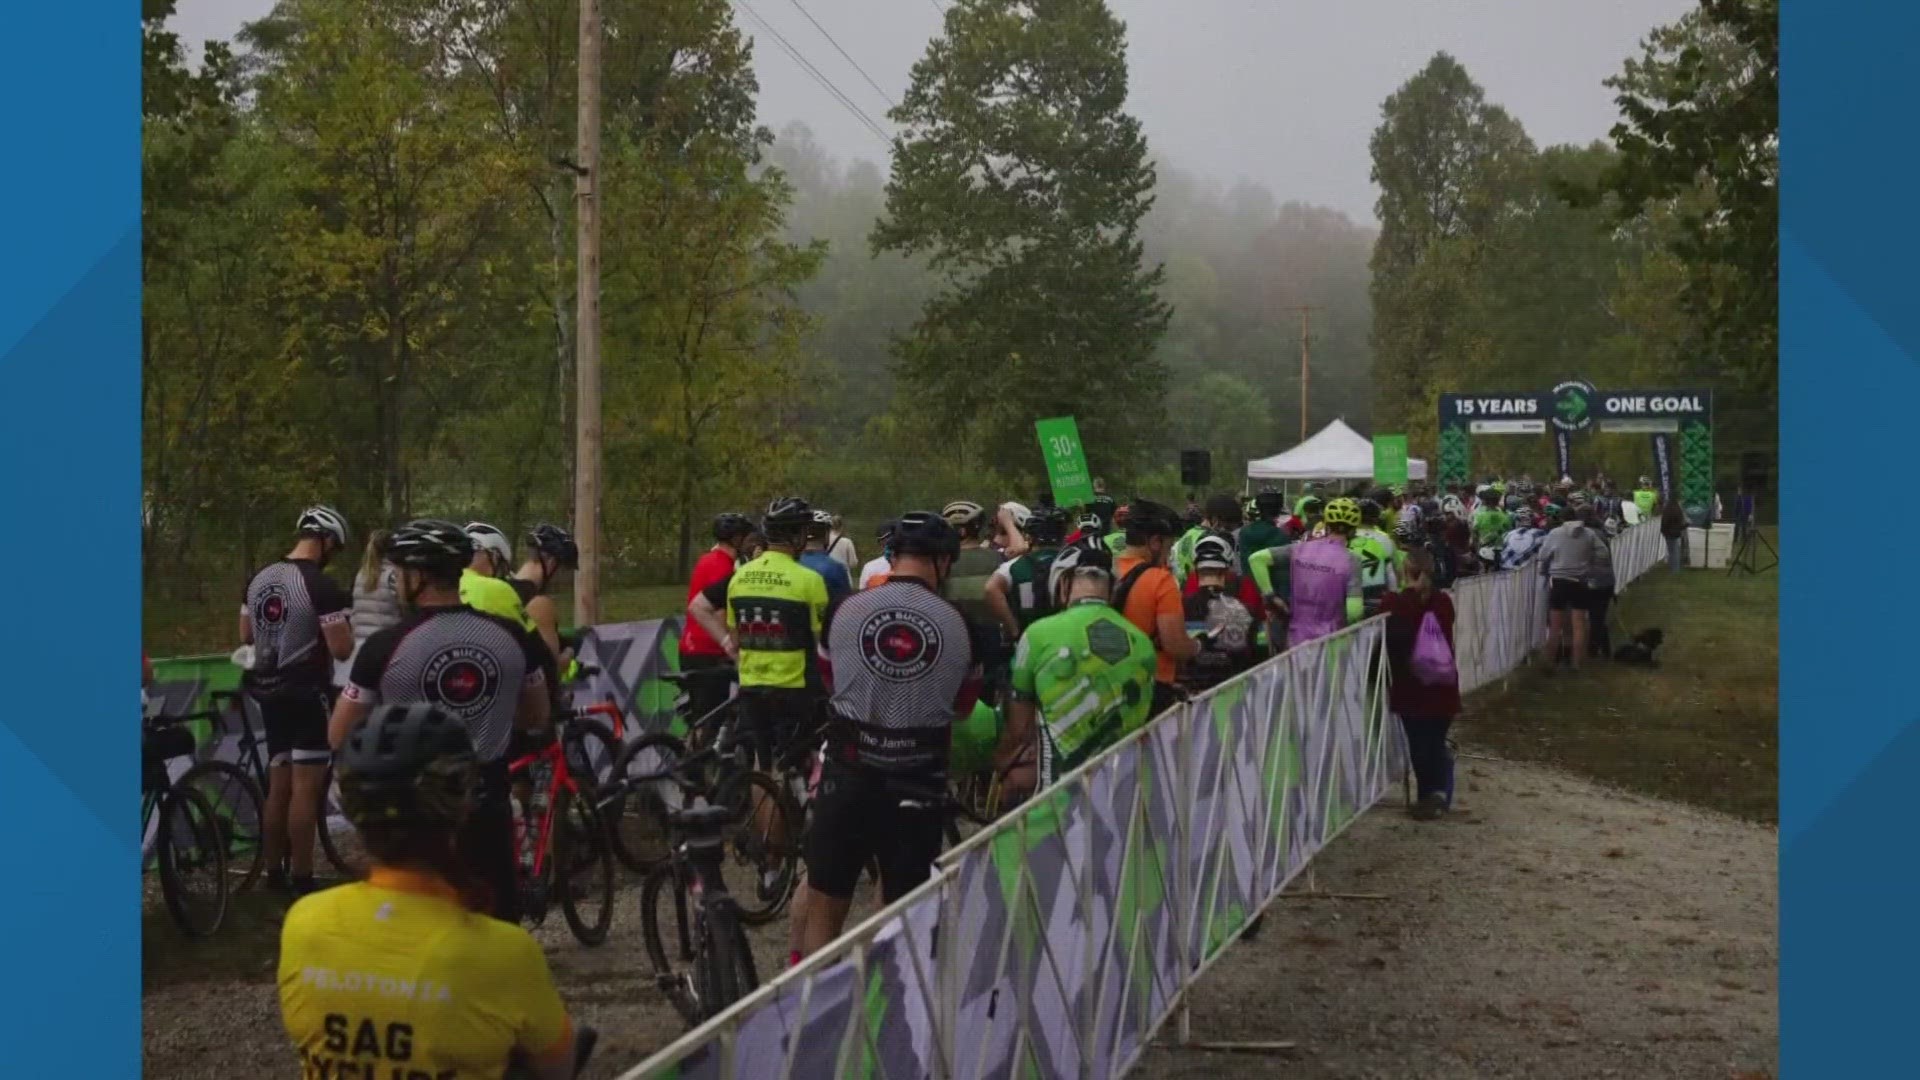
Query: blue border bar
<point>69,348</point>
<point>1849,335</point>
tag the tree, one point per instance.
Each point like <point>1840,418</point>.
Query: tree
<point>1447,163</point>
<point>1022,180</point>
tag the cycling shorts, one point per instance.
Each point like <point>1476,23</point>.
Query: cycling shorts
<point>295,718</point>
<point>771,716</point>
<point>861,816</point>
<point>1566,594</point>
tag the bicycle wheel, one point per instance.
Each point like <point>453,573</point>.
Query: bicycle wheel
<point>191,848</point>
<point>763,842</point>
<point>344,859</point>
<point>725,967</point>
<point>582,868</point>
<point>591,751</point>
<point>636,820</point>
<point>670,966</point>
<point>238,809</point>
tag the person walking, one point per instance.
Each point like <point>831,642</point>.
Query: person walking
<point>1673,526</point>
<point>1425,692</point>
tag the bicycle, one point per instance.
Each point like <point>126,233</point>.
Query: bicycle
<point>713,966</point>
<point>658,777</point>
<point>574,860</point>
<point>632,815</point>
<point>188,842</point>
<point>251,751</point>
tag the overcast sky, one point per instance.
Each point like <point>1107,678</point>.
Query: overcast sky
<point>1283,93</point>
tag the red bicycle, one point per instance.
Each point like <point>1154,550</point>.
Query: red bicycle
<point>560,842</point>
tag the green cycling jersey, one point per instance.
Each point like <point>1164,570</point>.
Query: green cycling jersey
<point>1089,674</point>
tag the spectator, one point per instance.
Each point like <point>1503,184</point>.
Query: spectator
<point>1566,558</point>
<point>1426,687</point>
<point>1600,586</point>
<point>376,591</point>
<point>840,546</point>
<point>1673,526</point>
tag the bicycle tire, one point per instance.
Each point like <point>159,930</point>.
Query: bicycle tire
<point>329,845</point>
<point>727,960</point>
<point>772,847</point>
<point>660,883</point>
<point>178,856</point>
<point>239,809</point>
<point>637,820</point>
<point>591,766</point>
<point>579,834</point>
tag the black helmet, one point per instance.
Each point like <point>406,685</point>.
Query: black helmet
<point>885,532</point>
<point>1225,511</point>
<point>1047,525</point>
<point>1085,555</point>
<point>925,533</point>
<point>1369,510</point>
<point>1269,501</point>
<point>557,544</point>
<point>437,547</point>
<point>1148,518</point>
<point>407,765</point>
<point>786,517</point>
<point>730,526</point>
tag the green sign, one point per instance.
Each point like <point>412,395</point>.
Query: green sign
<point>1390,460</point>
<point>1066,461</point>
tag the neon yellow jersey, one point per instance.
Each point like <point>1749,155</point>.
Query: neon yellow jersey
<point>495,597</point>
<point>775,607</point>
<point>392,976</point>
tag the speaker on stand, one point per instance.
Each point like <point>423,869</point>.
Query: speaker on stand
<point>1196,468</point>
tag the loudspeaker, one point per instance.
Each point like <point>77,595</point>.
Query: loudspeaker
<point>1755,471</point>
<point>1196,468</point>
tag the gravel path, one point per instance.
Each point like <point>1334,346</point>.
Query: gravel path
<point>1549,928</point>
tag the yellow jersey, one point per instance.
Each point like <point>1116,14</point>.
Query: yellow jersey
<point>495,597</point>
<point>394,977</point>
<point>775,607</point>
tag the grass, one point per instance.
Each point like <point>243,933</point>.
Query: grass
<point>1701,728</point>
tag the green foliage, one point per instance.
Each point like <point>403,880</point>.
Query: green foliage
<point>1023,182</point>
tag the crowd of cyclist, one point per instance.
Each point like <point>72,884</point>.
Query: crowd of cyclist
<point>1070,629</point>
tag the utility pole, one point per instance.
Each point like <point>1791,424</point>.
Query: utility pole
<point>1305,311</point>
<point>586,331</point>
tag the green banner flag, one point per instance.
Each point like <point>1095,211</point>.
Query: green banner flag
<point>1390,460</point>
<point>1066,461</point>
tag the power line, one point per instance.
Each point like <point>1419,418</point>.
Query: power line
<point>888,98</point>
<point>937,7</point>
<point>818,76</point>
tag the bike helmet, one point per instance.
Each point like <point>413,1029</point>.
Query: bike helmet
<point>1311,505</point>
<point>1515,502</point>
<point>1407,532</point>
<point>963,514</point>
<point>1382,496</point>
<point>925,534</point>
<point>1342,512</point>
<point>556,543</point>
<point>1369,510</point>
<point>1225,512</point>
<point>1646,481</point>
<point>822,524</point>
<point>407,766</point>
<point>1213,552</point>
<point>885,532</point>
<point>323,521</point>
<point>492,541</point>
<point>437,547</point>
<point>1269,502</point>
<point>1091,522</point>
<point>729,527</point>
<point>1251,509</point>
<point>1019,512</point>
<point>1087,556</point>
<point>1047,525</point>
<point>1148,518</point>
<point>786,517</point>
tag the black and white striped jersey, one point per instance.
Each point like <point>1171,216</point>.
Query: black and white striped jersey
<point>288,602</point>
<point>467,662</point>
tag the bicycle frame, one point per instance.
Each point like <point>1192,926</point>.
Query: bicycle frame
<point>554,754</point>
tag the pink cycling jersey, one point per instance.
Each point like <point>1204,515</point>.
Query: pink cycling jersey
<point>1321,572</point>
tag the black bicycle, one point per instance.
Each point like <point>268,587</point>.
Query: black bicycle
<point>231,707</point>
<point>711,963</point>
<point>636,829</point>
<point>189,843</point>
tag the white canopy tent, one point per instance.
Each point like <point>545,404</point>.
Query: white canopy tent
<point>1335,452</point>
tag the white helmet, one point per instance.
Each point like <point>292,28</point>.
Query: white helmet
<point>1021,515</point>
<point>323,521</point>
<point>492,541</point>
<point>1090,554</point>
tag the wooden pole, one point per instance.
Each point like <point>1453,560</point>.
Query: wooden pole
<point>1306,322</point>
<point>586,336</point>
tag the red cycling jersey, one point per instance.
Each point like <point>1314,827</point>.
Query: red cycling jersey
<point>714,567</point>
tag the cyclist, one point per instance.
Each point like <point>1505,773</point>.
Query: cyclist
<point>1306,516</point>
<point>550,551</point>
<point>704,642</point>
<point>492,551</point>
<point>1314,585</point>
<point>1379,557</point>
<point>1261,531</point>
<point>1117,539</point>
<point>1645,498</point>
<point>1221,514</point>
<point>1009,539</point>
<point>1017,594</point>
<point>401,973</point>
<point>1148,596</point>
<point>881,565</point>
<point>816,558</point>
<point>1490,522</point>
<point>1082,677</point>
<point>968,585</point>
<point>484,670</point>
<point>1088,524</point>
<point>1524,539</point>
<point>774,608</point>
<point>1219,616</point>
<point>296,619</point>
<point>901,663</point>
